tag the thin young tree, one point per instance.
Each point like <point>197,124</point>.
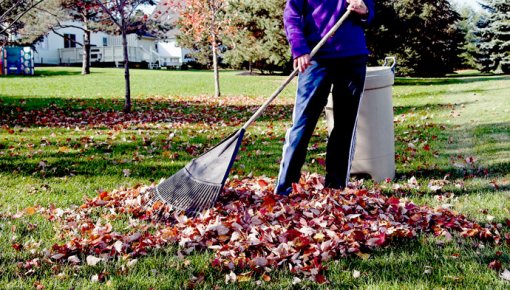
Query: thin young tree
<point>124,15</point>
<point>87,12</point>
<point>205,20</point>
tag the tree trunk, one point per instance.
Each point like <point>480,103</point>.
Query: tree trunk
<point>215,67</point>
<point>127,104</point>
<point>85,67</point>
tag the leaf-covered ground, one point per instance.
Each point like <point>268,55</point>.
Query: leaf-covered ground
<point>73,212</point>
<point>251,232</point>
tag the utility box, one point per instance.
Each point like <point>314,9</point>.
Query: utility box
<point>16,60</point>
<point>375,142</point>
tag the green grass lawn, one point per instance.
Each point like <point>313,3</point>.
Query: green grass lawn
<point>454,131</point>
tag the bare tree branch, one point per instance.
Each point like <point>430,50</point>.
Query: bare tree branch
<point>9,10</point>
<point>107,11</point>
<point>61,35</point>
<point>20,15</point>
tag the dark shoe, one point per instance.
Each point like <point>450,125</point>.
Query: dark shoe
<point>283,191</point>
<point>334,183</point>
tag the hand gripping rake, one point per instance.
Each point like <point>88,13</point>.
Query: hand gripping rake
<point>197,186</point>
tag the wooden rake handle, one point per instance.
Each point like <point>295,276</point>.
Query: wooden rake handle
<point>295,72</point>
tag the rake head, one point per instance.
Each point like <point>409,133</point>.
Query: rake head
<point>196,187</point>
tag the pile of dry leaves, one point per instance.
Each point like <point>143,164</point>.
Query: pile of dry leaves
<point>250,228</point>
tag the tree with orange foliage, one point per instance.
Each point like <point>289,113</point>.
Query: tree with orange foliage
<point>204,21</point>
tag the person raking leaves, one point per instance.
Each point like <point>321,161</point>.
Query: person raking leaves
<point>339,67</point>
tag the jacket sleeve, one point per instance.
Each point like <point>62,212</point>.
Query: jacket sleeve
<point>293,22</point>
<point>371,12</point>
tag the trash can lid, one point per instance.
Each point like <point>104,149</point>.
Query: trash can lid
<point>379,77</point>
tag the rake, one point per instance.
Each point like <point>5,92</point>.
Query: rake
<point>196,187</point>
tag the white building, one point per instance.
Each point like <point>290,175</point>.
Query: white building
<point>171,54</point>
<point>66,49</point>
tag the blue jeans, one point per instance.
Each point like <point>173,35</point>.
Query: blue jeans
<point>347,77</point>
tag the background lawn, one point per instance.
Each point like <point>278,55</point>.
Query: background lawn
<point>62,138</point>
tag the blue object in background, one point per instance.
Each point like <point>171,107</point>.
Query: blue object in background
<point>17,60</point>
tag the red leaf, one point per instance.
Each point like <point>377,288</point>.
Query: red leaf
<point>495,265</point>
<point>103,194</point>
<point>269,202</point>
<point>393,201</point>
<point>215,262</point>
<point>291,234</point>
<point>297,188</point>
<point>17,247</point>
<point>262,183</point>
<point>321,279</point>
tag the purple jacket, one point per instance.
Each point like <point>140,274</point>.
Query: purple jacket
<point>307,21</point>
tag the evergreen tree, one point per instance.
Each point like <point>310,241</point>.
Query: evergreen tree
<point>467,25</point>
<point>422,34</point>
<point>260,37</point>
<point>494,37</point>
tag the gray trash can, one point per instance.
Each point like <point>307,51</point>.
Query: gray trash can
<point>375,145</point>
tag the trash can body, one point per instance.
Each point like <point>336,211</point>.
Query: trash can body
<point>375,145</point>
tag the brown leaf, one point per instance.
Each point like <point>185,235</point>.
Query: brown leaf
<point>495,265</point>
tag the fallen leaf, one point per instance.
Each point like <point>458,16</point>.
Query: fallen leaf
<point>230,278</point>
<point>73,259</point>
<point>131,263</point>
<point>92,261</point>
<point>118,246</point>
<point>363,256</point>
<point>30,210</point>
<point>244,278</point>
<point>495,265</point>
<point>505,275</point>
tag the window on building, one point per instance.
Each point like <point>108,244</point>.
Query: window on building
<point>45,43</point>
<point>156,47</point>
<point>105,41</point>
<point>69,40</point>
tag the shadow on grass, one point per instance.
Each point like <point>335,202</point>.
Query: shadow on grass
<point>429,108</point>
<point>262,152</point>
<point>102,159</point>
<point>491,159</point>
<point>446,81</point>
<point>43,73</point>
<point>84,112</point>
